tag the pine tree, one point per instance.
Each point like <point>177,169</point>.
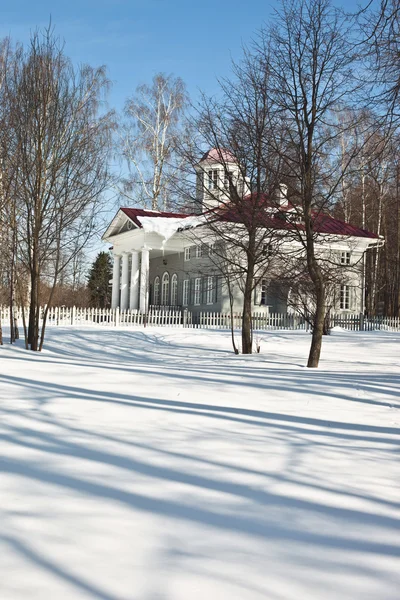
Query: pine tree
<point>99,281</point>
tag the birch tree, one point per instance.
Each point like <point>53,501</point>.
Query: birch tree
<point>149,135</point>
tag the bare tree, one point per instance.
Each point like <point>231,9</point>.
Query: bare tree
<point>381,27</point>
<point>7,211</point>
<point>237,184</point>
<point>150,131</point>
<point>58,148</point>
<point>282,119</point>
<point>311,55</point>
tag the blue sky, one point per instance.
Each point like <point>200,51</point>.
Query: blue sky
<point>137,38</point>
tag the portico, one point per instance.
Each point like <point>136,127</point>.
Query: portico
<point>130,283</point>
<point>138,237</point>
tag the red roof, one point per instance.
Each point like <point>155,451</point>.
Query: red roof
<point>327,224</point>
<point>219,155</point>
<point>280,219</point>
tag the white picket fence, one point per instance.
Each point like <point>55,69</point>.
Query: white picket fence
<point>100,316</point>
<point>62,316</point>
<point>261,321</point>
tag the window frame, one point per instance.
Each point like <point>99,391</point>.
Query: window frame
<point>213,179</point>
<point>156,291</point>
<point>174,290</point>
<point>345,297</point>
<point>165,289</point>
<point>263,292</point>
<point>185,292</point>
<point>228,176</point>
<point>187,253</point>
<point>197,291</point>
<point>345,257</point>
<point>210,290</point>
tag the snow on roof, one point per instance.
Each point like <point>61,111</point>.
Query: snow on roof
<point>163,223</point>
<point>166,228</point>
<point>136,214</point>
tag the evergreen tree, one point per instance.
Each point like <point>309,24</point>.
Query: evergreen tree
<point>99,281</point>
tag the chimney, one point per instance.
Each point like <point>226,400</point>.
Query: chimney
<point>282,194</point>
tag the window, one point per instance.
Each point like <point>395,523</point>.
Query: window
<point>187,253</point>
<point>174,289</point>
<point>345,258</point>
<point>199,251</point>
<point>185,298</point>
<point>199,182</point>
<point>227,178</point>
<point>344,297</point>
<point>209,290</point>
<point>156,295</point>
<point>213,179</point>
<point>267,250</point>
<point>263,298</point>
<point>197,290</point>
<point>211,249</point>
<point>165,289</point>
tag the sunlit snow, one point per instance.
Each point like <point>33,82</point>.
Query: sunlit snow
<point>154,464</point>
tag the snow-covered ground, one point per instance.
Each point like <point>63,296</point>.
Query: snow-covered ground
<point>153,464</point>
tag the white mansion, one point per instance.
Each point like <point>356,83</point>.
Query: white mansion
<point>158,260</point>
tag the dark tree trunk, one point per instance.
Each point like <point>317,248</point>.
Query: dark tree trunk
<point>318,327</point>
<point>313,266</point>
<point>32,311</point>
<point>33,328</point>
<point>235,349</point>
<point>247,329</point>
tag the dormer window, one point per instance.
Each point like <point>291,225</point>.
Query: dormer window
<point>213,179</point>
<point>345,258</point>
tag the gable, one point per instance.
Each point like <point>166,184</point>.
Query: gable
<point>120,224</point>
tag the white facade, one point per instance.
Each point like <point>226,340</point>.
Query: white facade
<point>161,262</point>
<point>167,259</point>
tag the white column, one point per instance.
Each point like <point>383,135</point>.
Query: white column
<point>115,283</point>
<point>134,292</point>
<point>144,281</point>
<point>125,281</point>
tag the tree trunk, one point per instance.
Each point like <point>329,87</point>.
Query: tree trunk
<point>33,331</point>
<point>313,267</point>
<point>235,349</point>
<point>46,310</point>
<point>318,327</point>
<point>32,310</point>
<point>247,329</point>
